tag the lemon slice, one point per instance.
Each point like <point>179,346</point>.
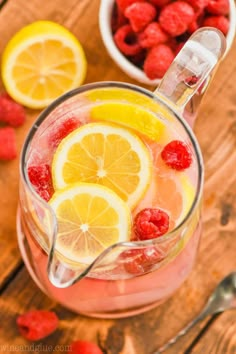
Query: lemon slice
<point>188,195</point>
<point>133,116</point>
<point>42,61</point>
<point>106,154</point>
<point>90,218</point>
<point>131,96</point>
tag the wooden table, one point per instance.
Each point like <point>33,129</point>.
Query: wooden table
<point>216,131</point>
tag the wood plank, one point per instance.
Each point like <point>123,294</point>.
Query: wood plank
<point>221,336</point>
<point>216,132</point>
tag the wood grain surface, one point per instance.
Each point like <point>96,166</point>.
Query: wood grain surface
<point>216,132</point>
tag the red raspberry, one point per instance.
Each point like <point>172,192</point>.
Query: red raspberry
<point>177,155</point>
<point>220,22</point>
<point>123,4</point>
<point>84,347</point>
<point>160,3</point>
<point>6,95</point>
<point>37,324</point>
<point>7,143</point>
<point>118,19</point>
<point>152,36</point>
<point>158,61</point>
<point>191,80</point>
<point>150,223</point>
<point>11,112</point>
<point>176,17</point>
<point>140,14</point>
<point>126,40</point>
<point>198,4</point>
<point>194,26</point>
<point>138,59</point>
<point>197,22</point>
<point>62,131</point>
<point>41,179</point>
<point>218,7</point>
<point>179,47</point>
<point>139,261</point>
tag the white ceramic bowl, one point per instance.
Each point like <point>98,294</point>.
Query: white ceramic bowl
<point>105,13</point>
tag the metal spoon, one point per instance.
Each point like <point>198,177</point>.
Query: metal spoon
<point>223,298</point>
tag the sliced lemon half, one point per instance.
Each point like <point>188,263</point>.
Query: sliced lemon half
<point>41,62</point>
<point>132,116</point>
<point>90,218</point>
<point>106,154</point>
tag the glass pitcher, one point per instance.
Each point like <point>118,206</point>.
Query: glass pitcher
<point>132,276</point>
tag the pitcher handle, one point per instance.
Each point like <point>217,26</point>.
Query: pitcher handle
<point>191,68</point>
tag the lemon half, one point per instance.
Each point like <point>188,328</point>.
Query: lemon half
<point>41,62</point>
<point>132,116</point>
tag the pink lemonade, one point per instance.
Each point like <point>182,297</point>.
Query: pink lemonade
<point>147,253</point>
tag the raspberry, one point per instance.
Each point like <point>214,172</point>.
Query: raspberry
<point>218,7</point>
<point>126,41</point>
<point>138,59</point>
<point>62,131</point>
<point>197,22</point>
<point>37,324</point>
<point>7,143</point>
<point>140,14</point>
<point>193,27</point>
<point>84,347</point>
<point>158,61</point>
<point>123,4</point>
<point>11,112</point>
<point>152,36</point>
<point>198,4</point>
<point>41,179</point>
<point>160,3</point>
<point>176,17</point>
<point>220,22</point>
<point>150,223</point>
<point>139,261</point>
<point>191,80</point>
<point>179,47</point>
<point>118,19</point>
<point>177,155</point>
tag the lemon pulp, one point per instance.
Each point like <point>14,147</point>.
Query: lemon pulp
<point>90,218</point>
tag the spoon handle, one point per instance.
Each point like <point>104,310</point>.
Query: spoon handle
<point>181,333</point>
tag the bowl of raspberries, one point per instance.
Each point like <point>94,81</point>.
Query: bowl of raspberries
<point>144,36</point>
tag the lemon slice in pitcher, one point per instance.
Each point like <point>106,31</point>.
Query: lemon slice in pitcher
<point>106,154</point>
<point>132,116</point>
<point>41,62</point>
<point>90,218</point>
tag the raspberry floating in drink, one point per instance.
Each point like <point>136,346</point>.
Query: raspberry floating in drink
<point>177,155</point>
<point>151,223</point>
